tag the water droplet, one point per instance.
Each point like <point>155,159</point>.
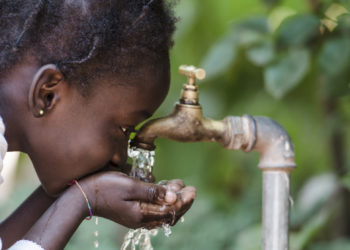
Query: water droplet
<point>166,229</point>
<point>96,233</point>
<point>182,219</point>
<point>163,182</point>
<point>291,201</point>
<point>154,232</point>
<point>96,244</point>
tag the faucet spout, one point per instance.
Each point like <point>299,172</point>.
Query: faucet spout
<point>185,124</point>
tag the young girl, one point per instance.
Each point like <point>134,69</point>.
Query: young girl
<point>76,77</point>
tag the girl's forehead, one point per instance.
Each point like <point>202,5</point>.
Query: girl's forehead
<point>141,93</point>
<point>146,78</point>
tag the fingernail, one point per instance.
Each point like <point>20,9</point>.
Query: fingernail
<point>170,197</point>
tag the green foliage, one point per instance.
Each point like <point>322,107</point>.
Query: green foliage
<point>286,72</point>
<point>313,207</point>
<point>251,30</point>
<point>271,3</point>
<point>286,53</point>
<point>249,239</point>
<point>299,56</point>
<point>298,30</point>
<point>340,244</point>
<point>261,53</point>
<point>221,56</point>
<point>334,56</point>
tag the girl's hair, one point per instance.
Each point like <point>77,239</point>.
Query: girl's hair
<point>85,38</point>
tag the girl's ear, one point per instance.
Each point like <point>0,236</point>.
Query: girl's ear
<point>44,90</point>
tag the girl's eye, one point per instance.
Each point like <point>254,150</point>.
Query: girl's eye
<point>127,130</point>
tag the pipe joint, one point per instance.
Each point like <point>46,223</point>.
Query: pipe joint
<point>240,133</point>
<point>274,145</point>
<point>263,135</point>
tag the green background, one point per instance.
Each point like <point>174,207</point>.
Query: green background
<point>265,58</point>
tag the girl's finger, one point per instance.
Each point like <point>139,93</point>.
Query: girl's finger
<point>151,193</point>
<point>170,213</point>
<point>157,213</point>
<point>184,201</point>
<point>188,194</point>
<point>175,185</point>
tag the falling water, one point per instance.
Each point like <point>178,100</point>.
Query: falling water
<point>96,243</point>
<point>142,163</point>
<point>142,167</point>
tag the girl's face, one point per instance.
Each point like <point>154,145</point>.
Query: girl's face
<point>82,135</point>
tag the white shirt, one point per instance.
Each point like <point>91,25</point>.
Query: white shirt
<point>21,244</point>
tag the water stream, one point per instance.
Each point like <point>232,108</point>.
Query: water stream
<point>142,166</point>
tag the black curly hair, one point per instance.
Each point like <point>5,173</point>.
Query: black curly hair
<point>85,37</point>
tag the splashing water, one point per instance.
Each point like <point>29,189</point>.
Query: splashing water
<point>139,237</point>
<point>142,167</point>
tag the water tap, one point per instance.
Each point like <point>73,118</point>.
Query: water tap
<point>187,124</point>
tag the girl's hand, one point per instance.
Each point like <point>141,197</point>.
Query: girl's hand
<point>135,204</point>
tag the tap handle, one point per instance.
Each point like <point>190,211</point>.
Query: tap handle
<point>192,73</point>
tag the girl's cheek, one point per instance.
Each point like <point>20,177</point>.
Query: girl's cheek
<point>91,156</point>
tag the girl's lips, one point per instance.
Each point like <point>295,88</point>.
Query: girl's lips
<point>125,168</point>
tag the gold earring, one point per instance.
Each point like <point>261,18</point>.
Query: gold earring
<point>41,112</point>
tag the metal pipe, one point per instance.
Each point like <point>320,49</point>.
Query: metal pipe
<point>275,210</point>
<point>187,124</point>
<point>276,161</point>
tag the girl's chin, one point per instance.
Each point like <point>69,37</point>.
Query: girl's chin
<point>54,189</point>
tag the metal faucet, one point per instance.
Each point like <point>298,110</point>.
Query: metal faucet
<point>187,124</point>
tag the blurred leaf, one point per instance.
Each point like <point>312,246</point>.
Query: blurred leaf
<point>344,24</point>
<point>301,239</point>
<point>339,244</point>
<point>335,10</point>
<point>298,30</point>
<point>345,3</point>
<point>187,10</point>
<point>313,209</point>
<point>251,31</point>
<point>313,195</point>
<point>329,24</point>
<point>261,53</point>
<point>271,3</point>
<point>220,56</point>
<point>334,56</point>
<point>277,16</point>
<point>284,74</point>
